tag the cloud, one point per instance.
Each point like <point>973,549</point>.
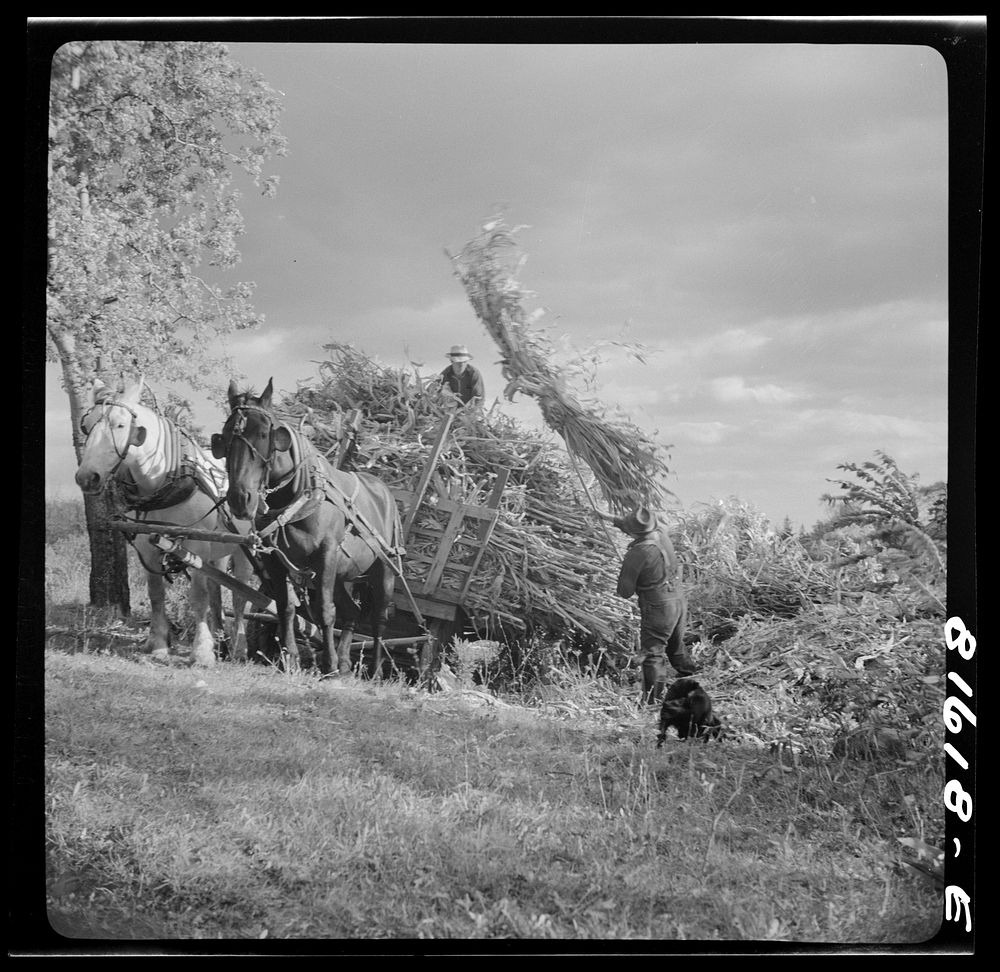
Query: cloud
<point>921,321</point>
<point>629,396</point>
<point>702,433</point>
<point>400,334</point>
<point>733,389</point>
<point>676,369</point>
<point>260,343</point>
<point>859,430</point>
<point>732,342</point>
<point>867,425</point>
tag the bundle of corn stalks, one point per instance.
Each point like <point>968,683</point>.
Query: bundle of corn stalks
<point>628,466</point>
<point>549,565</point>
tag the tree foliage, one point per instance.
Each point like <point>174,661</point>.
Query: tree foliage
<point>894,510</point>
<point>145,139</point>
<point>145,142</point>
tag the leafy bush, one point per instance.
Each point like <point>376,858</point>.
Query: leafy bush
<point>903,524</point>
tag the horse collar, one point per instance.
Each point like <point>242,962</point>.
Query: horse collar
<point>297,477</point>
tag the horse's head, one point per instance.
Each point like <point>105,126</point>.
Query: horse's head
<point>253,444</point>
<point>115,427</point>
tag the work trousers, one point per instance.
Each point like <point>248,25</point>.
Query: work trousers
<point>661,638</point>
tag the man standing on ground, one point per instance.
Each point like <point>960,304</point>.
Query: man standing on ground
<point>461,378</point>
<point>650,571</point>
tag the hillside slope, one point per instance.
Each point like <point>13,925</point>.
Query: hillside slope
<point>242,803</point>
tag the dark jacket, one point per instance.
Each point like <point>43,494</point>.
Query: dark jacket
<point>650,565</point>
<point>467,385</point>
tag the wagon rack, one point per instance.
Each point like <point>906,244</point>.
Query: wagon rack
<point>426,610</point>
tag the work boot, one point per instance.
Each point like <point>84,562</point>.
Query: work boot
<point>684,666</point>
<point>653,684</point>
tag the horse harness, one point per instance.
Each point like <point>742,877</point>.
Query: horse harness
<point>184,475</point>
<point>310,487</point>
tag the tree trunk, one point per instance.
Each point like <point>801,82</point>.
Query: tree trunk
<point>108,556</point>
<point>108,550</point>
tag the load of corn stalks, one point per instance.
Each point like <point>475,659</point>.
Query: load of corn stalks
<point>628,466</point>
<point>550,566</point>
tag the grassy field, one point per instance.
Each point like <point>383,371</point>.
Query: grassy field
<point>242,803</point>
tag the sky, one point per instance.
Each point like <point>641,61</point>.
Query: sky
<point>768,221</point>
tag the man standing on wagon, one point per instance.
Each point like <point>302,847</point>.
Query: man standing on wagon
<point>650,571</point>
<point>461,378</point>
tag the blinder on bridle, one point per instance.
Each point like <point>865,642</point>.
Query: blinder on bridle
<point>279,437</point>
<point>136,433</point>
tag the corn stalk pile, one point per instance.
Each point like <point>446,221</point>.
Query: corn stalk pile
<point>549,565</point>
<point>627,465</point>
<point>852,679</point>
<point>816,642</point>
<point>735,565</point>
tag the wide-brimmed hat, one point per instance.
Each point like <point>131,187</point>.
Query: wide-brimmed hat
<point>459,351</point>
<point>640,522</point>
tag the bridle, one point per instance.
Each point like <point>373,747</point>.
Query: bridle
<point>235,427</point>
<point>136,433</point>
<point>279,440</point>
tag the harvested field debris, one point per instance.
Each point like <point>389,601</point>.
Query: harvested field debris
<point>817,641</point>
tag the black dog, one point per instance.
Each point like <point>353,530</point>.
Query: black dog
<point>687,708</point>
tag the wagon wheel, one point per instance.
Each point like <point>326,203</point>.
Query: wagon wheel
<point>440,633</point>
<point>264,647</point>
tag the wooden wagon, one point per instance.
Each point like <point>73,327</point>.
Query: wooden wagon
<point>445,539</point>
<point>455,534</point>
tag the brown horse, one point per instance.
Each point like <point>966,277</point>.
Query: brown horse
<point>324,527</point>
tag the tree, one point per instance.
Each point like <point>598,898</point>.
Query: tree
<point>895,510</point>
<point>144,141</point>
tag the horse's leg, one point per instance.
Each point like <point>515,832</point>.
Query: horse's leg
<point>202,644</point>
<point>158,639</point>
<point>215,622</point>
<point>242,570</point>
<point>324,616</point>
<point>347,613</point>
<point>285,603</point>
<point>382,584</point>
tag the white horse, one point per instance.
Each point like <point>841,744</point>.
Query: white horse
<point>166,477</point>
